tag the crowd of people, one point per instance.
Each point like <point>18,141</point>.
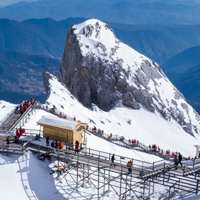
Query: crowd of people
<point>132,142</point>
<point>152,148</point>
<point>20,132</point>
<point>24,105</point>
<point>61,145</point>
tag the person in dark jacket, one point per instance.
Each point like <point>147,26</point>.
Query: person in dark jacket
<point>52,144</point>
<point>176,161</point>
<point>113,160</point>
<point>180,158</point>
<point>47,141</point>
<point>7,140</point>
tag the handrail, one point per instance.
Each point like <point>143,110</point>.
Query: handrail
<point>84,154</point>
<point>30,108</point>
<point>142,146</point>
<point>106,154</point>
<point>185,182</point>
<point>126,145</point>
<point>7,132</point>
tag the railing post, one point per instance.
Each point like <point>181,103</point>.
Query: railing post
<point>77,171</point>
<point>193,162</point>
<point>98,187</point>
<point>197,187</point>
<point>120,187</point>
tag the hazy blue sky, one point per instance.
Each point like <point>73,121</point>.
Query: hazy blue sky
<point>8,2</point>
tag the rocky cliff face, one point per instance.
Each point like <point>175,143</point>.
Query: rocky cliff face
<point>99,69</point>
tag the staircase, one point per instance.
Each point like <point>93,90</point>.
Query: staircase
<point>16,120</point>
<point>180,180</point>
<point>12,118</point>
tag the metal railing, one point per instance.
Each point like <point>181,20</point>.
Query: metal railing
<point>21,120</point>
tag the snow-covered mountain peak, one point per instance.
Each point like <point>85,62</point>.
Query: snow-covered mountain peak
<point>97,39</point>
<point>96,30</point>
<point>99,69</point>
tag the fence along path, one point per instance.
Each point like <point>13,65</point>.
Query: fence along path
<point>114,139</point>
<point>20,121</point>
<point>143,173</point>
<point>97,166</point>
<point>159,173</point>
<point>124,143</point>
<point>164,175</point>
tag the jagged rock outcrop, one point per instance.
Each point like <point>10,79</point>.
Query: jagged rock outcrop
<point>99,69</point>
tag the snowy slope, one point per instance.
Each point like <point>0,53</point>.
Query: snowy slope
<point>148,127</point>
<point>92,140</point>
<point>25,177</point>
<point>98,68</point>
<point>5,109</point>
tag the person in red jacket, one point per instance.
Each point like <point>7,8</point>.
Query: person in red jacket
<point>77,146</point>
<point>18,133</point>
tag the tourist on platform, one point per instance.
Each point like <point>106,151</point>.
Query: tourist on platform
<point>56,144</point>
<point>175,161</point>
<point>113,160</point>
<point>52,144</point>
<point>47,140</point>
<point>180,158</point>
<point>129,166</point>
<point>77,146</point>
<point>7,140</point>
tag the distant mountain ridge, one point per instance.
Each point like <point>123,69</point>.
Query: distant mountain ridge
<point>133,12</point>
<point>184,71</point>
<point>39,37</point>
<point>21,75</point>
<point>47,36</point>
<point>184,60</point>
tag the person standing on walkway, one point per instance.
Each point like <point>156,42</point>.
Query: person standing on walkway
<point>176,161</point>
<point>47,141</point>
<point>180,158</point>
<point>7,140</point>
<point>76,146</point>
<point>113,160</point>
<point>129,166</point>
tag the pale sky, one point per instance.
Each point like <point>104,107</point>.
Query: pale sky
<point>8,2</point>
